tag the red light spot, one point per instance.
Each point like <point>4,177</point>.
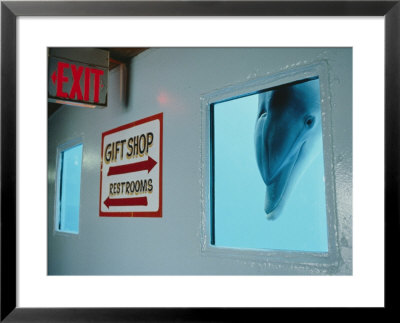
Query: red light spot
<point>163,98</point>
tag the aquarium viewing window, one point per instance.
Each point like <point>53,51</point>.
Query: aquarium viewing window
<point>68,189</point>
<point>267,178</point>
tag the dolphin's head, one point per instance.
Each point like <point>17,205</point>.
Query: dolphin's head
<point>287,128</point>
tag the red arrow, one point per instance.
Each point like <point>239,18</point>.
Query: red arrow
<point>53,77</point>
<point>134,167</point>
<point>132,201</point>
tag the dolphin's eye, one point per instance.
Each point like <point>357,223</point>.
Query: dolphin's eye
<point>309,121</point>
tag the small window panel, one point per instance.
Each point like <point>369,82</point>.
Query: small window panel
<point>267,166</point>
<point>68,189</point>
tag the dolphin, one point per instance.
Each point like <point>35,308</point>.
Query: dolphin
<point>288,137</point>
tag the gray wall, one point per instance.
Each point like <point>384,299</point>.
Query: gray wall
<point>172,244</point>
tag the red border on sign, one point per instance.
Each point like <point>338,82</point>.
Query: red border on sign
<point>152,214</point>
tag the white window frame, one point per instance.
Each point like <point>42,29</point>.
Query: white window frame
<point>61,148</point>
<point>283,261</point>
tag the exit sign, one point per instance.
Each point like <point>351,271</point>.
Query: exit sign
<point>78,77</point>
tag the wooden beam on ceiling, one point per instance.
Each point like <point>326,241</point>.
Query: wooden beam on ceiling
<point>122,55</point>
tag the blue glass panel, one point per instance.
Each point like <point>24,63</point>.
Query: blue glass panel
<point>240,219</point>
<point>70,184</point>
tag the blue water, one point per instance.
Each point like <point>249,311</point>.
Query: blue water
<point>70,182</point>
<point>240,220</point>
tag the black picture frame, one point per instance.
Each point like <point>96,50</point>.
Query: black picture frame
<point>10,10</point>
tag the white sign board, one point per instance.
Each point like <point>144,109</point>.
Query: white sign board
<point>131,169</point>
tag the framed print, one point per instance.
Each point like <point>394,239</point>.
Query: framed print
<point>170,174</point>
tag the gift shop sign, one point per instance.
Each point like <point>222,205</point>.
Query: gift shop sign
<point>131,169</point>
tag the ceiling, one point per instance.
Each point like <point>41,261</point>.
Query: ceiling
<point>118,55</point>
<point>122,55</point>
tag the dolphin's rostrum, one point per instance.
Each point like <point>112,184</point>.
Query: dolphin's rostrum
<point>287,136</point>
